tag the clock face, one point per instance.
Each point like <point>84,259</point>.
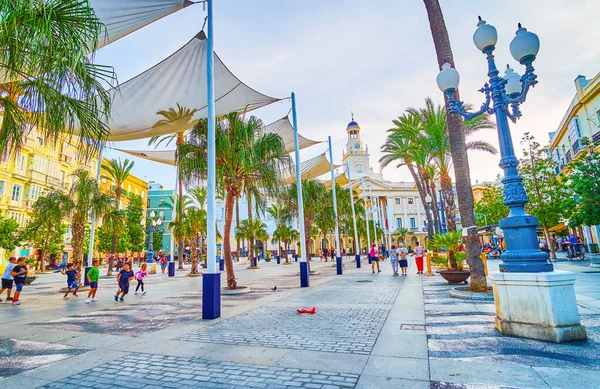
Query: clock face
<point>357,145</point>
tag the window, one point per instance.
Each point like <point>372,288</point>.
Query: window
<point>2,186</point>
<point>397,201</point>
<point>21,163</point>
<point>161,215</point>
<point>103,179</point>
<point>359,168</point>
<point>411,200</point>
<point>16,193</point>
<point>413,223</point>
<point>398,222</point>
<point>142,194</point>
<point>35,192</point>
<point>136,191</point>
<point>148,203</point>
<point>128,188</point>
<point>574,130</point>
<point>16,216</point>
<point>120,204</point>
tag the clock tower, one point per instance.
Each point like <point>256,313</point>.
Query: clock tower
<point>355,153</point>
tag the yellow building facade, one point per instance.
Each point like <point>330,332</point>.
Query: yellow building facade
<point>580,121</point>
<point>41,166</point>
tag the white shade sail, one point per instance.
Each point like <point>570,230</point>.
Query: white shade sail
<point>122,17</point>
<point>179,79</point>
<point>162,156</point>
<point>284,128</point>
<point>312,168</point>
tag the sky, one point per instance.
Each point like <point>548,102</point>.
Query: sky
<point>373,58</point>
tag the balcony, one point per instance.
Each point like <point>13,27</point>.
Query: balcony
<point>568,157</point>
<point>596,137</point>
<point>577,146</point>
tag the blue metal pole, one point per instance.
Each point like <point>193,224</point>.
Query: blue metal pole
<point>150,253</point>
<point>366,220</point>
<point>338,258</point>
<point>443,215</point>
<point>304,273</point>
<point>93,221</point>
<point>356,240</point>
<point>211,279</point>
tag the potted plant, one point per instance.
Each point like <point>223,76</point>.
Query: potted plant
<point>450,241</point>
<point>268,256</point>
<point>32,265</point>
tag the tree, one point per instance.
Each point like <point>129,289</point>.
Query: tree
<point>253,230</point>
<point>46,230</point>
<point>86,201</point>
<point>491,209</point>
<point>47,79</point>
<point>458,149</point>
<point>449,241</point>
<point>550,199</point>
<point>194,223</point>
<point>585,186</point>
<point>246,157</point>
<point>180,116</point>
<point>135,230</point>
<point>119,171</point>
<point>281,215</point>
<point>9,234</point>
<point>114,223</point>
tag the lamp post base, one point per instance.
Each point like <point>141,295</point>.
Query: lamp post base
<point>304,281</point>
<point>338,265</point>
<point>172,269</point>
<point>211,296</point>
<point>358,261</point>
<point>538,306</point>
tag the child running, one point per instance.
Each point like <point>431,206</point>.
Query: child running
<point>139,276</point>
<point>394,260</point>
<point>19,273</point>
<point>402,255</point>
<point>7,278</point>
<point>71,274</point>
<point>123,278</point>
<point>93,276</point>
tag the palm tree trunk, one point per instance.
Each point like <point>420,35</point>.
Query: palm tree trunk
<point>548,242</point>
<point>78,233</point>
<point>237,225</point>
<point>434,208</point>
<point>422,194</point>
<point>307,227</point>
<point>448,197</point>
<point>194,248</point>
<point>460,158</point>
<point>229,204</point>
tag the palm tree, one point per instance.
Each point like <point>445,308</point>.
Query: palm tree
<point>450,241</point>
<point>180,115</point>
<point>434,139</point>
<point>114,221</point>
<point>441,41</point>
<point>119,171</point>
<point>246,158</point>
<point>86,201</point>
<point>46,79</point>
<point>194,222</point>
<point>176,226</point>
<point>288,235</point>
<point>252,230</point>
<point>282,216</point>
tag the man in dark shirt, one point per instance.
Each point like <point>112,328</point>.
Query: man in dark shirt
<point>123,278</point>
<point>19,273</point>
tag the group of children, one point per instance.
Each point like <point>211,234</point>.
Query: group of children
<point>16,272</point>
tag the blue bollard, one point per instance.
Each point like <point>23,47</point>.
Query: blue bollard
<point>221,264</point>
<point>370,260</point>
<point>304,275</point>
<point>278,259</point>
<point>338,265</point>
<point>211,296</point>
<point>254,262</point>
<point>358,261</point>
<point>172,269</point>
<point>86,282</point>
<point>295,257</point>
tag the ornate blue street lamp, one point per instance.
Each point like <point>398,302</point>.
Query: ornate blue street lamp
<point>503,96</point>
<point>442,214</point>
<point>153,224</point>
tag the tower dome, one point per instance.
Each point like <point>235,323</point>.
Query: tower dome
<point>353,128</point>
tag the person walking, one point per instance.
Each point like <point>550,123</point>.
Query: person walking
<point>123,278</point>
<point>394,259</point>
<point>418,253</point>
<point>374,258</point>
<point>93,275</point>
<point>71,274</point>
<point>139,276</point>
<point>8,279</point>
<point>19,274</point>
<point>402,254</point>
<point>163,265</point>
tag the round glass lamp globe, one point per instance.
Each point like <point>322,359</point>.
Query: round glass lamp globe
<point>513,82</point>
<point>159,222</point>
<point>154,223</point>
<point>428,199</point>
<point>447,78</point>
<point>143,222</point>
<point>152,214</point>
<point>485,35</point>
<point>525,45</point>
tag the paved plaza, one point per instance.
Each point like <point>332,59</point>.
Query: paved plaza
<point>370,331</point>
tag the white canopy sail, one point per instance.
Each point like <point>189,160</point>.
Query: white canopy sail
<point>312,168</point>
<point>162,156</point>
<point>284,128</point>
<point>179,79</point>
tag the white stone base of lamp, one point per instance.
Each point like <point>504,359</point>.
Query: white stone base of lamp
<point>538,306</point>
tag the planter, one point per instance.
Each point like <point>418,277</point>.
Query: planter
<point>455,277</point>
<point>29,279</point>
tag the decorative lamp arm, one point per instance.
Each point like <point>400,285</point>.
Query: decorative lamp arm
<point>456,106</point>
<point>528,80</point>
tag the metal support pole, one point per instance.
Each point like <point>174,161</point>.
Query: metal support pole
<point>150,252</point>
<point>366,219</point>
<point>93,221</point>
<point>211,279</point>
<point>356,240</point>
<point>304,279</point>
<point>443,214</point>
<point>374,211</point>
<point>338,258</point>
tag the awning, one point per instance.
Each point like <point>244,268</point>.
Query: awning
<point>558,228</point>
<point>162,156</point>
<point>312,168</point>
<point>285,130</point>
<point>179,79</point>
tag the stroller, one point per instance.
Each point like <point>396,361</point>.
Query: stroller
<point>575,251</point>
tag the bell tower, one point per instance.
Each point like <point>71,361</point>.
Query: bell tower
<point>356,154</point>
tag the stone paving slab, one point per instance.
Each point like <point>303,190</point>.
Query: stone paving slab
<point>348,295</point>
<point>17,356</point>
<point>351,330</point>
<point>156,371</point>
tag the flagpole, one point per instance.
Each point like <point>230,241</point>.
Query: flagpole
<point>211,279</point>
<point>338,258</point>
<point>356,240</point>
<point>304,273</point>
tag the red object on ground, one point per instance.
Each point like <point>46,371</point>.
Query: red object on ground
<point>304,310</point>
